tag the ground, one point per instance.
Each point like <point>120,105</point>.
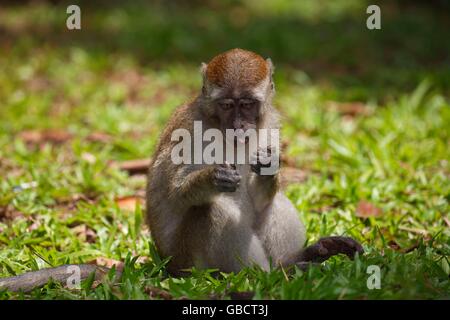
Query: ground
<point>366,136</point>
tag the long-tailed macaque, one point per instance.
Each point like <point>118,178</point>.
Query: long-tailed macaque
<point>228,215</point>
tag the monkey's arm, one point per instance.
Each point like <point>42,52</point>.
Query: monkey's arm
<point>263,187</point>
<point>191,186</point>
<point>196,186</point>
<point>30,280</point>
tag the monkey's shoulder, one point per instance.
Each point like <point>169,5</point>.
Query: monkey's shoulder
<point>182,118</point>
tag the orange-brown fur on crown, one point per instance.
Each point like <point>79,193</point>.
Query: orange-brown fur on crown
<point>240,67</point>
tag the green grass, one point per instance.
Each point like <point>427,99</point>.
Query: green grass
<point>124,74</point>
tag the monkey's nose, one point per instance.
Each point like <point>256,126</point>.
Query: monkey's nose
<point>237,124</point>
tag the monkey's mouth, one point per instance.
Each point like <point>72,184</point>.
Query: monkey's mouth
<point>241,140</point>
<point>237,141</point>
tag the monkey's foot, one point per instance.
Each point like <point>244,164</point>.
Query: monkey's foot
<point>330,246</point>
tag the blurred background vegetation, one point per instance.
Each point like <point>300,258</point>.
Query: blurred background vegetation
<point>321,41</point>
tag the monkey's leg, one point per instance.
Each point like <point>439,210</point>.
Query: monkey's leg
<point>280,229</point>
<point>30,280</point>
<point>328,247</point>
<point>244,252</point>
<point>231,242</point>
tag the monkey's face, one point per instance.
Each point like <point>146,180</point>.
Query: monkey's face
<point>237,113</point>
<point>239,84</point>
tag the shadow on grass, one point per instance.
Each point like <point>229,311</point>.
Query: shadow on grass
<point>335,49</point>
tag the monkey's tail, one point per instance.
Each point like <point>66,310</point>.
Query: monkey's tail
<point>30,280</point>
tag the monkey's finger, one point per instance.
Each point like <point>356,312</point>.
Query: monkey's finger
<point>231,174</point>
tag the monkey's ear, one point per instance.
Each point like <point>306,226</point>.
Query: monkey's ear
<point>270,65</point>
<point>203,68</point>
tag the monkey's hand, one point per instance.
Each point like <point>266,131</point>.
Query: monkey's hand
<point>262,158</point>
<point>226,178</point>
<point>330,246</point>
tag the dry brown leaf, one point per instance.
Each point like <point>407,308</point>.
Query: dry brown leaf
<point>287,161</point>
<point>8,212</point>
<point>69,203</point>
<point>99,137</point>
<point>38,84</point>
<point>134,166</point>
<point>366,209</point>
<point>108,263</point>
<point>290,175</point>
<point>351,109</point>
<point>129,203</point>
<point>55,136</point>
<point>414,230</point>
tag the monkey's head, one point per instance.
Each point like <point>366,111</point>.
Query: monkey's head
<point>237,86</point>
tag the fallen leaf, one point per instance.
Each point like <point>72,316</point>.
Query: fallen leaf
<point>414,230</point>
<point>8,212</point>
<point>155,292</point>
<point>55,136</point>
<point>287,161</point>
<point>351,109</point>
<point>38,84</point>
<point>108,263</point>
<point>129,203</point>
<point>134,166</point>
<point>366,209</point>
<point>99,137</point>
<point>290,175</point>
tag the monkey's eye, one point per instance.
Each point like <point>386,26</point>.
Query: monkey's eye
<point>226,104</point>
<point>247,104</point>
